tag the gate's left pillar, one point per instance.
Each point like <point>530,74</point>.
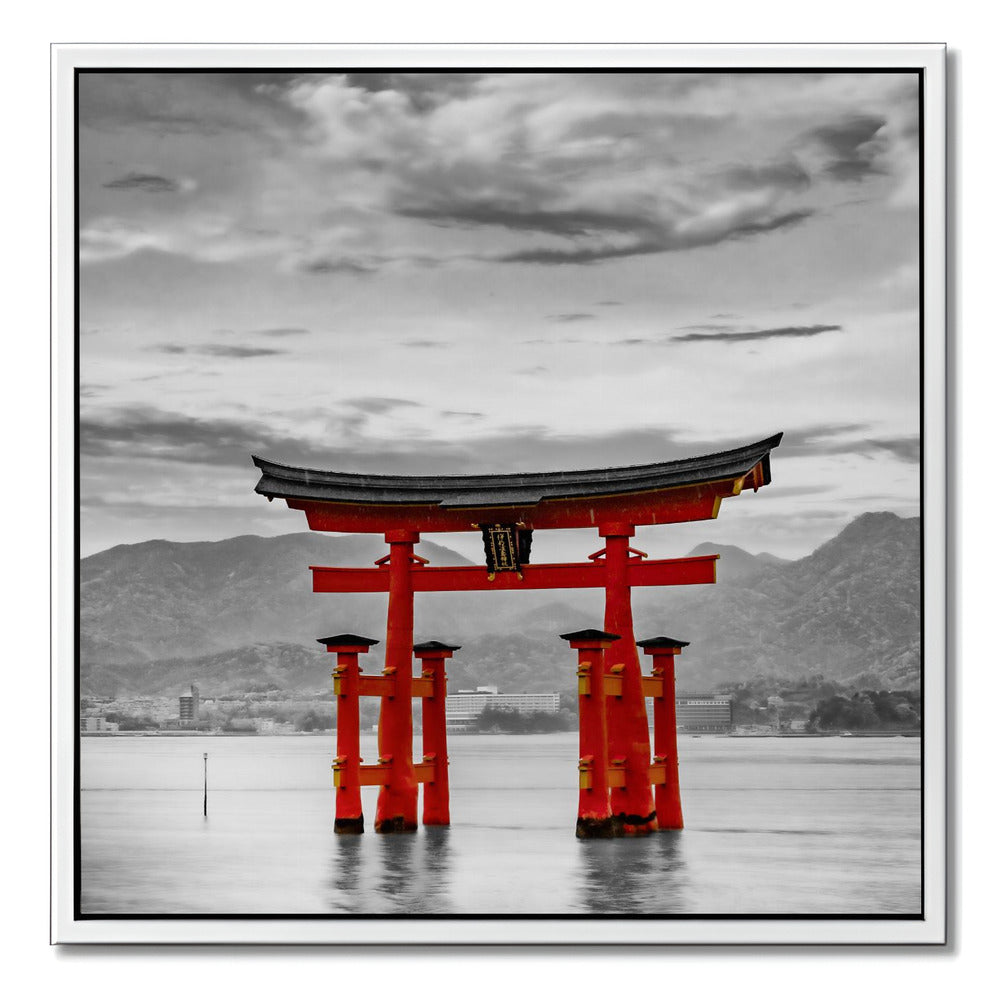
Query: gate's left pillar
<point>347,766</point>
<point>437,810</point>
<point>593,817</point>
<point>396,810</point>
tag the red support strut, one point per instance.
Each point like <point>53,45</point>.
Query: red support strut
<point>347,766</point>
<point>628,727</point>
<point>435,737</point>
<point>663,649</point>
<point>396,810</point>
<point>594,812</point>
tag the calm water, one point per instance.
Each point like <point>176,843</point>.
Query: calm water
<point>773,826</point>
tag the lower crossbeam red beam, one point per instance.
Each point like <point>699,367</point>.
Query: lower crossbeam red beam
<point>379,774</point>
<point>543,576</point>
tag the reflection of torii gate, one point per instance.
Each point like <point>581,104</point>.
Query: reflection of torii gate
<point>616,775</point>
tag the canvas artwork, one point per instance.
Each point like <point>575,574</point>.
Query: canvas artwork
<point>499,490</point>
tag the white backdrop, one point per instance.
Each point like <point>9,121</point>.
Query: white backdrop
<point>199,972</point>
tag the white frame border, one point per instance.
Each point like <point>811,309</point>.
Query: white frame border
<point>928,931</point>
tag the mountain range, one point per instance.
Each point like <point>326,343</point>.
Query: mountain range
<point>239,615</point>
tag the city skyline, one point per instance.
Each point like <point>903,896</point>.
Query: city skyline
<point>451,273</point>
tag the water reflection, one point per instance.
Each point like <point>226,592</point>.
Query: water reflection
<point>634,874</point>
<point>347,864</point>
<point>391,873</point>
<point>396,889</point>
<point>438,868</point>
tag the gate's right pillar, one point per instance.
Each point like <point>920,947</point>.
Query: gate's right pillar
<point>628,727</point>
<point>437,811</point>
<point>396,808</point>
<point>663,649</point>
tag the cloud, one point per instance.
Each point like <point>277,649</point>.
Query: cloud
<point>561,341</point>
<point>326,265</point>
<point>147,434</point>
<point>755,228</point>
<point>147,183</point>
<point>424,344</point>
<point>281,331</point>
<point>699,233</point>
<point>710,327</point>
<point>211,237</point>
<point>848,439</point>
<point>852,145</point>
<point>906,449</point>
<point>571,317</point>
<point>425,91</point>
<point>745,335</point>
<point>588,160</point>
<point>378,404</point>
<point>235,351</point>
<point>182,103</point>
<point>633,342</point>
<point>553,222</point>
<point>609,302</point>
<point>218,350</point>
<point>785,175</point>
<point>151,434</point>
<point>528,168</point>
<point>156,445</point>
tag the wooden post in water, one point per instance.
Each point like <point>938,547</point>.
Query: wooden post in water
<point>667,793</point>
<point>632,805</point>
<point>432,655</point>
<point>204,803</point>
<point>347,766</point>
<point>396,807</point>
<point>594,812</point>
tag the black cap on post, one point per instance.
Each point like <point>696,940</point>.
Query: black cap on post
<point>347,639</point>
<point>433,646</point>
<point>589,636</point>
<point>662,641</point>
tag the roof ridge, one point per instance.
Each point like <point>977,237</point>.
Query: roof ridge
<point>432,479</point>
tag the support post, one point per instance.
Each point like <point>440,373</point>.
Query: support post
<point>632,805</point>
<point>594,812</point>
<point>396,809</point>
<point>435,736</point>
<point>663,649</point>
<point>347,765</point>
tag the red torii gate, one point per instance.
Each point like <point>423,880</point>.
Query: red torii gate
<point>615,749</point>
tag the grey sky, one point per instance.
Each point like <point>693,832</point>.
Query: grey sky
<point>431,272</point>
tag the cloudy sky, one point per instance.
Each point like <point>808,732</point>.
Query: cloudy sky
<point>430,272</point>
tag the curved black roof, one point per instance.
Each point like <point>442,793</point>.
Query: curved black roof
<point>512,488</point>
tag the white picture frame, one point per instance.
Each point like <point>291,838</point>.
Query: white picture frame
<point>67,927</point>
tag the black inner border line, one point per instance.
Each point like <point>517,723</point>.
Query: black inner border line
<point>920,292</point>
<point>77,848</point>
<point>620,70</point>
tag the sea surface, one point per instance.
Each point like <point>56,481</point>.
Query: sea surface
<point>773,826</point>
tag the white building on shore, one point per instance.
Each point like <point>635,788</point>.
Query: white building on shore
<point>464,707</point>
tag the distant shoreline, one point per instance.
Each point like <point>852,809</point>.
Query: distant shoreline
<point>910,733</point>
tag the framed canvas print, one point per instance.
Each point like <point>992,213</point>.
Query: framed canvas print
<point>499,494</point>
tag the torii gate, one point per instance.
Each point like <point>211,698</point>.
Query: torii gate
<point>616,775</point>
